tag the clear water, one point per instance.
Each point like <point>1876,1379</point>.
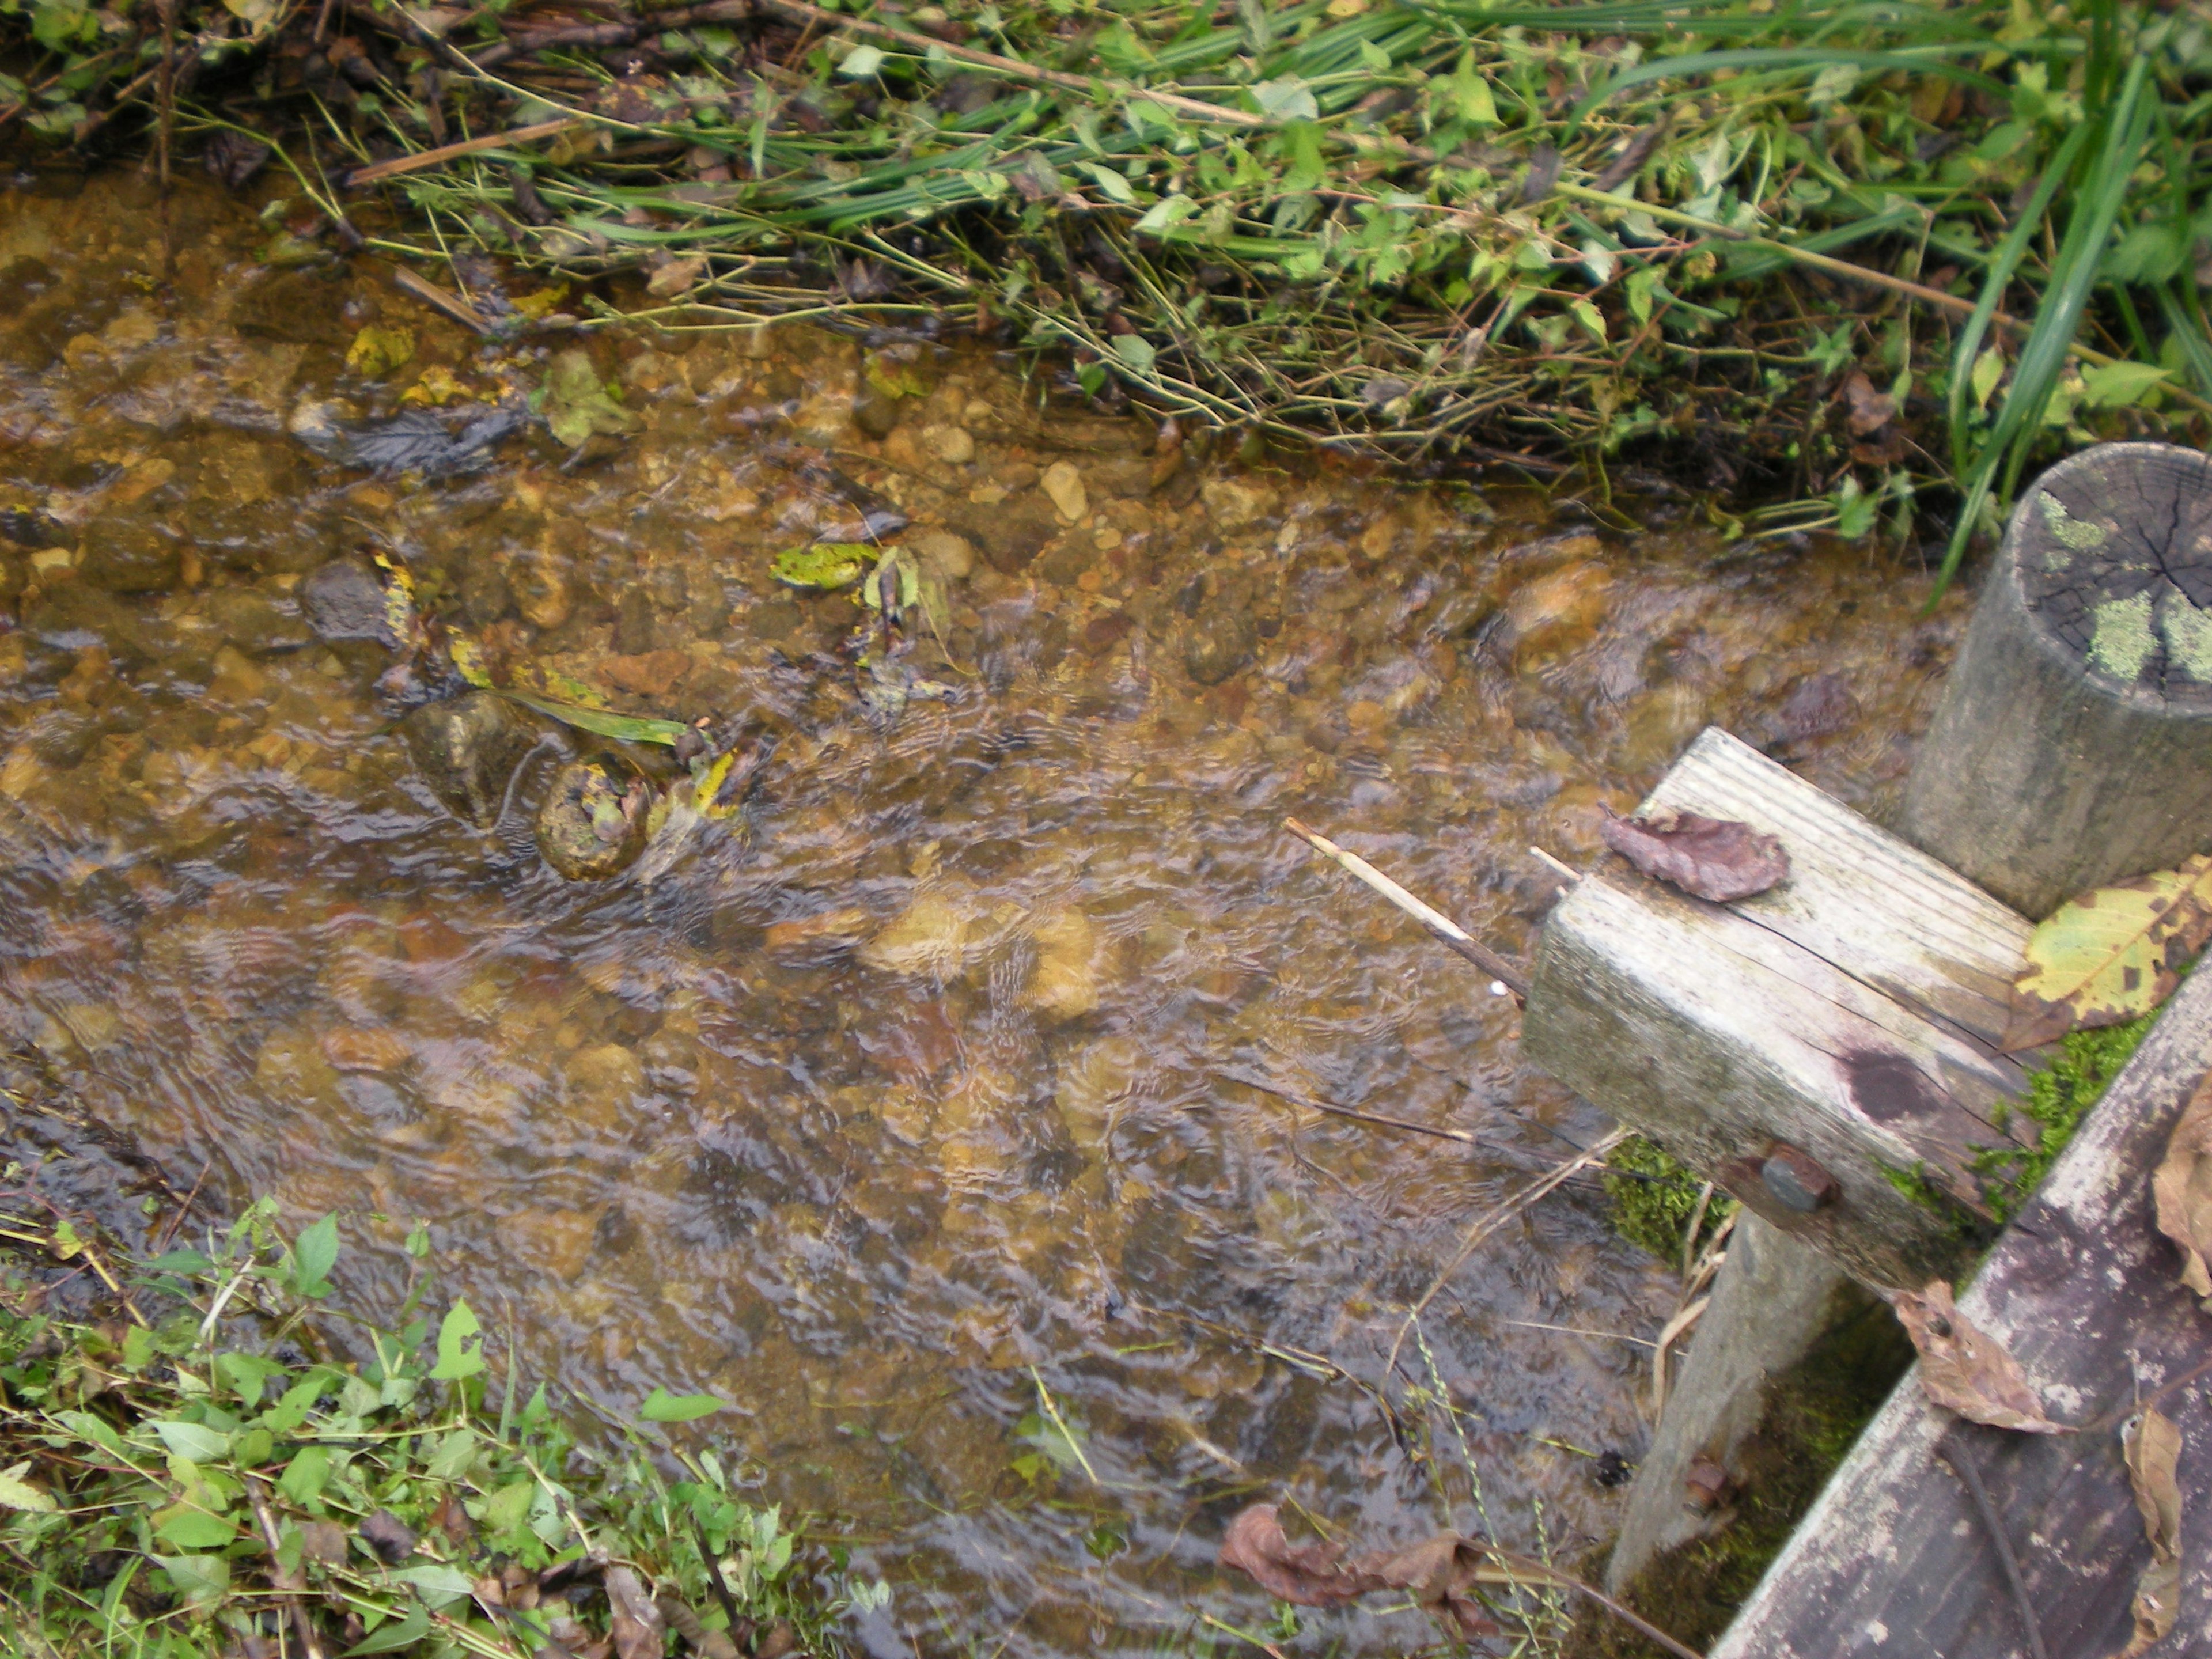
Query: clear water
<point>887,1180</point>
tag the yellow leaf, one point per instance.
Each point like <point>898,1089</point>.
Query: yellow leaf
<point>541,303</point>
<point>376,351</point>
<point>436,387</point>
<point>2111,954</point>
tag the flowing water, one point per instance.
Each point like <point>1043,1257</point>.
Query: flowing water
<point>890,1110</point>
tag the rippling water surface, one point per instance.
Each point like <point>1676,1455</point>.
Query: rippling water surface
<point>891,1110</point>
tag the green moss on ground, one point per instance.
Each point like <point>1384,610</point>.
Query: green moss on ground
<point>1654,1198</point>
<point>1813,1414</point>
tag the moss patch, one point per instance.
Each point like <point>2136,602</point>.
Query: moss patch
<point>1654,1198</point>
<point>1812,1415</point>
<point>2058,1098</point>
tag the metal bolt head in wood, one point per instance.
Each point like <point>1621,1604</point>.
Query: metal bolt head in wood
<point>2073,745</point>
<point>1795,1180</point>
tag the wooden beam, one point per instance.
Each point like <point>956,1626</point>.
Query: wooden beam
<point>1835,1029</point>
<point>1894,1560</point>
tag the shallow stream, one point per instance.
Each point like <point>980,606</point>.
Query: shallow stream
<point>891,1109</point>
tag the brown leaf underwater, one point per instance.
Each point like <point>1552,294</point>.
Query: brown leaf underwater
<point>2151,1446</point>
<point>1304,1575</point>
<point>1967,1369</point>
<point>2181,1187</point>
<point>1715,859</point>
<point>2110,955</point>
<point>1439,1572</point>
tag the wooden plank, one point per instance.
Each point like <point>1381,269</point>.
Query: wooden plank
<point>1857,895</point>
<point>1892,1559</point>
<point>1813,1016</point>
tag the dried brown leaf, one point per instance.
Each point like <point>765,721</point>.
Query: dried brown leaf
<point>1440,1573</point>
<point>1305,1575</point>
<point>392,1539</point>
<point>2182,1186</point>
<point>2151,1446</point>
<point>1715,859</point>
<point>1968,1370</point>
<point>634,1621</point>
<point>1869,410</point>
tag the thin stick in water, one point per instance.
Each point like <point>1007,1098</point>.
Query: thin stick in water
<point>1449,932</point>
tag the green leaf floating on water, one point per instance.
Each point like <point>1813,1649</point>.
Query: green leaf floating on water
<point>602,722</point>
<point>2111,954</point>
<point>827,566</point>
<point>576,404</point>
<point>662,1407</point>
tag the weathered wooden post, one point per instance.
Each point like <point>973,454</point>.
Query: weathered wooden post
<point>1826,1050</point>
<point>2074,742</point>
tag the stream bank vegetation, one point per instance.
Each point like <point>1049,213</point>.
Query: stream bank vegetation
<point>194,1466</point>
<point>1840,256</point>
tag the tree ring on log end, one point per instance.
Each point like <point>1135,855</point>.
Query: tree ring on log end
<point>2113,550</point>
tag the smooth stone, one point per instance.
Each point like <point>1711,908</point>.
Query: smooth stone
<point>591,825</point>
<point>1063,984</point>
<point>950,444</point>
<point>466,751</point>
<point>875,414</point>
<point>129,556</point>
<point>1064,484</point>
<point>1232,503</point>
<point>1221,642</point>
<point>944,554</point>
<point>257,624</point>
<point>343,600</point>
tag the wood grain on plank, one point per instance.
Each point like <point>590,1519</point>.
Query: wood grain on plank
<point>1857,895</point>
<point>2083,1289</point>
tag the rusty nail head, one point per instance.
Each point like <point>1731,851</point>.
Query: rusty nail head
<point>1795,1180</point>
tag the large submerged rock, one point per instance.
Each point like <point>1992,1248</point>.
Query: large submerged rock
<point>467,749</point>
<point>593,823</point>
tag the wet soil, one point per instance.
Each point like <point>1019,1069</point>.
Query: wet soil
<point>889,1110</point>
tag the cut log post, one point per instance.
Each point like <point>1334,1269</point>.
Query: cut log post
<point>1823,1050</point>
<point>2073,745</point>
<point>1772,1301</point>
<point>2085,1292</point>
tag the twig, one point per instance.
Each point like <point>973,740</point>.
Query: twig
<point>1557,867</point>
<point>438,299</point>
<point>1669,1334</point>
<point>430,158</point>
<point>1950,1450</point>
<point>1253,1080</point>
<point>287,1582</point>
<point>1578,1330</point>
<point>1446,931</point>
<point>1491,1220</point>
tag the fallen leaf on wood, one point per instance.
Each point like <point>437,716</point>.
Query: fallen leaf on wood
<point>1968,1370</point>
<point>2182,1186</point>
<point>2152,1445</point>
<point>1715,859</point>
<point>2110,955</point>
<point>1304,1575</point>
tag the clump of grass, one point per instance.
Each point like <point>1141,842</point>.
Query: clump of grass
<point>1775,245</point>
<point>202,1473</point>
<point>1655,1198</point>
